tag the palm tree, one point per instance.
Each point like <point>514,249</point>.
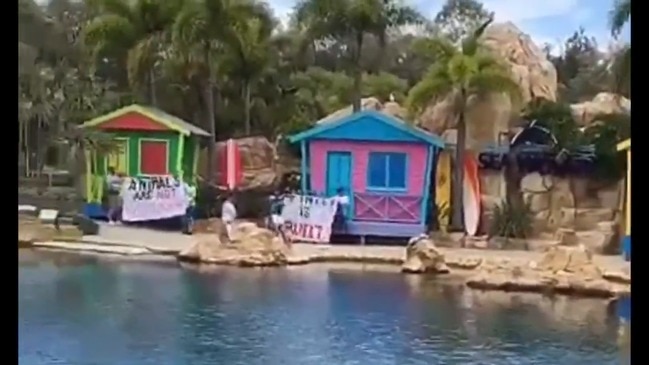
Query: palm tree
<point>349,22</point>
<point>249,56</point>
<point>464,74</point>
<point>619,16</point>
<point>621,65</point>
<point>135,29</point>
<point>202,31</point>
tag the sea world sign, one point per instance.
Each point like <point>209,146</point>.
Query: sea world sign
<point>152,198</point>
<point>308,218</point>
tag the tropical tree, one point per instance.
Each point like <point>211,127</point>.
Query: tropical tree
<point>132,32</point>
<point>203,30</point>
<point>464,74</point>
<point>348,22</point>
<point>619,16</point>
<point>248,56</point>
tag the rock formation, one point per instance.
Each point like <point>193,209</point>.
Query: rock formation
<point>568,270</point>
<point>263,162</point>
<point>250,246</point>
<point>603,103</point>
<point>31,230</point>
<point>486,119</point>
<point>390,108</point>
<point>423,257</point>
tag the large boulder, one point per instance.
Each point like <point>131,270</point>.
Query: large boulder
<point>603,103</point>
<point>390,108</point>
<point>423,257</point>
<point>489,117</point>
<point>568,270</point>
<point>263,162</point>
<point>250,246</point>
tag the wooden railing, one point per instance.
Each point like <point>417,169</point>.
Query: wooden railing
<point>387,208</point>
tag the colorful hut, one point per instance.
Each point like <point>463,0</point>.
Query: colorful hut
<point>150,143</point>
<point>626,241</point>
<point>382,163</point>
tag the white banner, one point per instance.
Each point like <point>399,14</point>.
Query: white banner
<point>309,218</point>
<point>152,198</point>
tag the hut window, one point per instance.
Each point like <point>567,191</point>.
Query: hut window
<point>386,171</point>
<point>154,155</point>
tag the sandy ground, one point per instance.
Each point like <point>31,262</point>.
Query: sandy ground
<point>146,243</point>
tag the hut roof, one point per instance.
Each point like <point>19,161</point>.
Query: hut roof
<point>155,114</point>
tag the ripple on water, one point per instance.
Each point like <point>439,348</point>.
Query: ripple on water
<point>133,314</point>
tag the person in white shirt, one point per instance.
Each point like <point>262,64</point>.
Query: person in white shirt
<point>229,214</point>
<point>114,184</point>
<point>188,219</point>
<point>342,201</point>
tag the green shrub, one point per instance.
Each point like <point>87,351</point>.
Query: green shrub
<point>511,220</point>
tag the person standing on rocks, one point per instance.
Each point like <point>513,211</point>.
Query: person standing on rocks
<point>114,182</point>
<point>229,213</point>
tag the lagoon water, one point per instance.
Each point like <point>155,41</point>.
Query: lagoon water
<point>96,312</point>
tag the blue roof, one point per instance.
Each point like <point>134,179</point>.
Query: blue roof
<point>369,125</point>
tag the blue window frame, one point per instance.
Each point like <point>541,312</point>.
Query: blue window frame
<point>387,171</point>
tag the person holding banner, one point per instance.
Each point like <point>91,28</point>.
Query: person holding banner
<point>114,182</point>
<point>229,213</point>
<point>188,219</point>
<point>342,201</point>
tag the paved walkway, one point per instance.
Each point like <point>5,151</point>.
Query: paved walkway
<point>174,242</point>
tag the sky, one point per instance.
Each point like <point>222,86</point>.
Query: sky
<point>547,21</point>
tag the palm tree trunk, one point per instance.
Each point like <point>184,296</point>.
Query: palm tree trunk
<point>358,74</point>
<point>246,106</point>
<point>153,97</point>
<point>208,95</point>
<point>457,221</point>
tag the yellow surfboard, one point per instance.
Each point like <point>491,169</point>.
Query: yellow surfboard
<point>443,190</point>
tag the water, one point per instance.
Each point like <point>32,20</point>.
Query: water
<point>98,312</point>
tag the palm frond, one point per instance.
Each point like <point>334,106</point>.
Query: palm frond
<point>434,49</point>
<point>120,8</point>
<point>470,44</point>
<point>435,84</point>
<point>493,81</point>
<point>619,16</point>
<point>108,32</point>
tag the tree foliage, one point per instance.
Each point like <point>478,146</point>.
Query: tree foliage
<point>228,67</point>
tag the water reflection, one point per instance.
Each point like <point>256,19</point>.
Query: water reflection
<point>112,313</point>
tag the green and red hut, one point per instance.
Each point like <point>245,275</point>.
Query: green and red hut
<point>149,142</point>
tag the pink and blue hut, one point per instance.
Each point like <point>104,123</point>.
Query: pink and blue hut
<point>383,164</point>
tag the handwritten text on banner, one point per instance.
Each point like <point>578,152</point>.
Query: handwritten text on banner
<point>309,218</point>
<point>153,198</point>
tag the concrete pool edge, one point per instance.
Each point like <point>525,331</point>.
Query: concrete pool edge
<point>462,262</point>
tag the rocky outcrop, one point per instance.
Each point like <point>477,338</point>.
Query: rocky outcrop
<point>423,257</point>
<point>31,230</point>
<point>487,118</point>
<point>603,103</point>
<point>567,270</point>
<point>531,69</point>
<point>263,163</point>
<point>390,108</point>
<point>250,246</point>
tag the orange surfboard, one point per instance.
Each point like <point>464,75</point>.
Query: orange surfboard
<point>471,195</point>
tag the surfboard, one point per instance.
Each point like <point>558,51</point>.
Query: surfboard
<point>443,190</point>
<point>471,195</point>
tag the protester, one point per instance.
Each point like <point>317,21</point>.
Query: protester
<point>114,183</point>
<point>229,213</point>
<point>276,221</point>
<point>342,202</point>
<point>188,219</point>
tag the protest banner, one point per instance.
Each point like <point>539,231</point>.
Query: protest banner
<point>152,198</point>
<point>308,218</point>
